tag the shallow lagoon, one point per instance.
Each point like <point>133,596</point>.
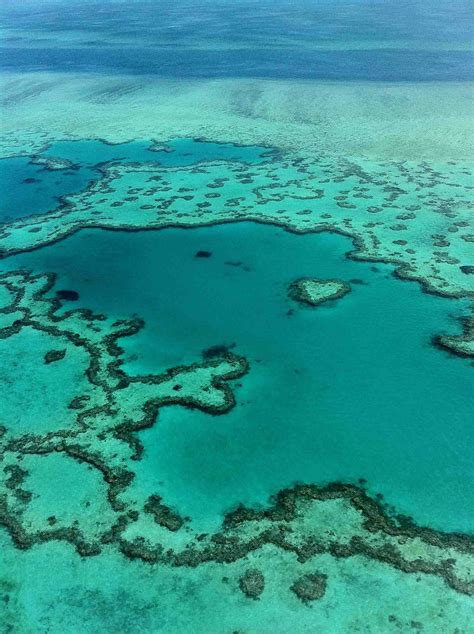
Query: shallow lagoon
<point>351,389</point>
<point>113,594</point>
<point>176,152</point>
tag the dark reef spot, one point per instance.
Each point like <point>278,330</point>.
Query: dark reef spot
<point>177,387</point>
<point>164,515</point>
<point>217,351</point>
<point>78,402</point>
<point>252,583</point>
<point>467,269</point>
<point>203,254</point>
<point>30,181</point>
<point>310,587</point>
<point>70,296</point>
<point>54,355</point>
<point>356,280</point>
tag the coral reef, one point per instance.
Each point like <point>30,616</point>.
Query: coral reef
<point>100,434</point>
<point>310,587</point>
<point>423,230</point>
<point>252,583</point>
<point>315,292</point>
<point>53,163</point>
<point>90,461</point>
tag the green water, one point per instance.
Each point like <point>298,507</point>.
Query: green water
<point>352,389</point>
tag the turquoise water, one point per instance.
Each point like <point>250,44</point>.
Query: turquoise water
<point>177,152</point>
<point>352,389</point>
<point>111,594</point>
<point>42,193</point>
<point>20,198</point>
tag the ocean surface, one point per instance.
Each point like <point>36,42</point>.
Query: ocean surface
<point>339,40</point>
<point>353,391</point>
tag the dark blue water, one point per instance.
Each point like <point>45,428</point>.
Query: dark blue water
<point>247,21</point>
<point>246,39</point>
<point>392,65</point>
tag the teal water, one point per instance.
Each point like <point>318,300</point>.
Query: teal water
<point>111,594</point>
<point>173,153</point>
<point>352,389</point>
<point>21,198</point>
<point>338,40</point>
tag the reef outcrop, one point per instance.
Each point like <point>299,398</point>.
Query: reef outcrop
<point>310,587</point>
<point>252,583</point>
<point>313,292</point>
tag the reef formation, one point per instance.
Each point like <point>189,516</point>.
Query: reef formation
<point>68,461</point>
<point>94,447</point>
<point>412,215</point>
<point>357,122</point>
<point>314,292</point>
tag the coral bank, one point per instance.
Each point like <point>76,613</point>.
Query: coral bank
<point>313,292</point>
<point>413,215</point>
